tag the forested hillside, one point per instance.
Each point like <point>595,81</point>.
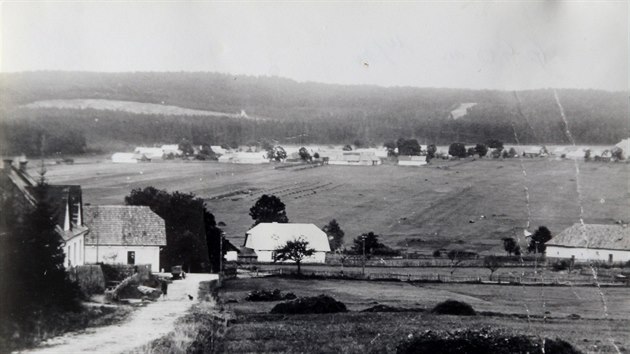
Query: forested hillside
<point>293,112</point>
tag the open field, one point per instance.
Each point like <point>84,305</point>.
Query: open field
<point>258,331</point>
<point>127,106</point>
<point>467,204</point>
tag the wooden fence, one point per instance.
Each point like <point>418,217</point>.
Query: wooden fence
<point>575,280</point>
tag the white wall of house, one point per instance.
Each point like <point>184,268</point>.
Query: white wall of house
<point>74,252</point>
<point>267,256</point>
<point>585,254</point>
<point>118,255</point>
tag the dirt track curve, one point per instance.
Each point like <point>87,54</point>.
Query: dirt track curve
<point>143,325</point>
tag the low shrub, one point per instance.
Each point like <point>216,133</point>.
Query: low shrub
<point>481,341</point>
<point>90,279</point>
<point>560,265</point>
<point>453,307</point>
<point>314,304</point>
<point>269,295</point>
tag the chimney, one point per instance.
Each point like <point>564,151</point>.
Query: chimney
<point>23,166</point>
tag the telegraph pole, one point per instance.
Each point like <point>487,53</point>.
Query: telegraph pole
<point>363,266</point>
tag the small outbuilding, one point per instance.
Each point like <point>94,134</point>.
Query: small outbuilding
<point>592,242</point>
<point>265,238</point>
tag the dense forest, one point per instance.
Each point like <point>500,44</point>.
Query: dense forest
<point>291,112</point>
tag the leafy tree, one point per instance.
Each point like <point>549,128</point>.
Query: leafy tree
<point>587,155</point>
<point>35,284</point>
<point>481,150</point>
<point>276,153</point>
<point>296,251</point>
<point>280,153</point>
<point>205,153</point>
<point>190,228</point>
<point>390,145</point>
<point>456,257</point>
<point>408,147</point>
<point>304,154</point>
<point>372,246</point>
<point>316,155</point>
<point>538,240</point>
<point>347,148</point>
<point>511,246</point>
<point>470,151</point>
<point>513,153</point>
<point>617,153</point>
<point>457,150</point>
<point>358,143</point>
<point>335,234</point>
<point>186,147</point>
<point>268,208</point>
<point>505,154</point>
<point>495,144</point>
<point>493,263</point>
<point>431,150</point>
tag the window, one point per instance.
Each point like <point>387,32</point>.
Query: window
<point>131,257</point>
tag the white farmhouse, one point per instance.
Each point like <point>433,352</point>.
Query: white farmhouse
<point>124,157</point>
<point>153,153</point>
<point>352,158</point>
<point>592,242</point>
<point>265,238</point>
<point>122,234</point>
<point>217,149</point>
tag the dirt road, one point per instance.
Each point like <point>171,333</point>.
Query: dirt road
<point>144,325</point>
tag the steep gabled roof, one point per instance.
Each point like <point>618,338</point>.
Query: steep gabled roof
<point>271,236</point>
<point>124,225</point>
<point>601,236</point>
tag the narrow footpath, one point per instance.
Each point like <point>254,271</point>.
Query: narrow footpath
<point>143,325</point>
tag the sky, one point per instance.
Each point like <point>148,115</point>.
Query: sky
<point>480,45</point>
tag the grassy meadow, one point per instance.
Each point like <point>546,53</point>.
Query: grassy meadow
<point>255,330</point>
<point>466,204</point>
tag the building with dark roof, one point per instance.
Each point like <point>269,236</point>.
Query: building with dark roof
<point>65,202</point>
<point>91,234</point>
<point>124,234</point>
<point>592,242</point>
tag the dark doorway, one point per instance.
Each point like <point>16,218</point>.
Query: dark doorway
<point>131,257</point>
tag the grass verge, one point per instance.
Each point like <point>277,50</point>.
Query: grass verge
<point>45,326</point>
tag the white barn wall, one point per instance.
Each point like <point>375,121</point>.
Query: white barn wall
<point>586,254</point>
<point>118,255</point>
<point>74,252</point>
<point>317,257</point>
